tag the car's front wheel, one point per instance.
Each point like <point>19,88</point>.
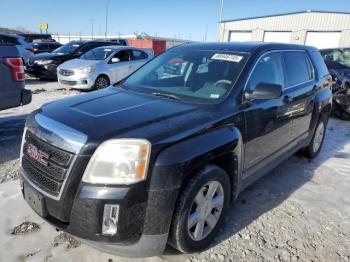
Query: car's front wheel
<point>101,82</point>
<point>200,210</point>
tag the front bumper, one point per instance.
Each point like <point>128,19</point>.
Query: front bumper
<point>143,221</point>
<point>77,81</point>
<point>42,71</point>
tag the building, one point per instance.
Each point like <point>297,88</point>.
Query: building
<point>316,28</point>
<point>169,42</point>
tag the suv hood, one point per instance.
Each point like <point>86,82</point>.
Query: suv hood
<point>114,112</point>
<point>78,63</point>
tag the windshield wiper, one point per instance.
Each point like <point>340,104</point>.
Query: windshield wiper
<point>170,96</point>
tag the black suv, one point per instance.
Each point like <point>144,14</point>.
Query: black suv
<point>44,66</point>
<point>338,62</point>
<point>159,157</point>
<point>45,47</point>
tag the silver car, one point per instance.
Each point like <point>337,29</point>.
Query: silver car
<point>102,66</point>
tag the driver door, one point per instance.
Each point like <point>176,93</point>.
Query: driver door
<point>268,126</point>
<point>121,69</point>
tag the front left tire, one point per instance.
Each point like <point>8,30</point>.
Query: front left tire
<point>200,209</point>
<point>101,82</point>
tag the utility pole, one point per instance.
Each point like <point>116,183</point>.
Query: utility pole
<point>221,16</point>
<point>106,21</point>
<point>92,28</point>
<point>221,10</point>
<point>206,32</point>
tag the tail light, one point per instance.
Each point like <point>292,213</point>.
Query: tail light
<point>16,66</point>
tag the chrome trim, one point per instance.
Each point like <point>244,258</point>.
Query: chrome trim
<point>58,135</point>
<point>55,133</point>
<point>276,51</point>
<point>22,145</point>
<point>42,191</point>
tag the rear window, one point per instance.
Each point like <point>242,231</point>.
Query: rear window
<point>298,68</point>
<point>321,66</point>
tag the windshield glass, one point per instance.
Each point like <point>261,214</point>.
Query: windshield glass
<point>338,58</point>
<point>191,75</point>
<point>66,49</point>
<point>97,54</point>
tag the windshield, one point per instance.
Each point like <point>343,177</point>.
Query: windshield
<point>338,58</point>
<point>190,75</point>
<point>66,49</point>
<point>97,54</point>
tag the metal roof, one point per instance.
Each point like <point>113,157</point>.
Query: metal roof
<point>283,14</point>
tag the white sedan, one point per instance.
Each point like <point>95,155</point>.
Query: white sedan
<point>102,66</point>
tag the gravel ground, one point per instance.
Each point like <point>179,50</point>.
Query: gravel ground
<point>298,212</point>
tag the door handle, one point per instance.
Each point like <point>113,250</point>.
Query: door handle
<point>288,99</point>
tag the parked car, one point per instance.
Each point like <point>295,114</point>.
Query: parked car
<point>44,66</point>
<point>12,92</point>
<point>102,66</point>
<point>338,63</point>
<point>24,46</point>
<point>158,158</point>
<point>45,47</point>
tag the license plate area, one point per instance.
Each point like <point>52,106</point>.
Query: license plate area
<point>35,200</point>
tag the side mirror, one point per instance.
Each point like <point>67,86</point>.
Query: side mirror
<point>78,54</point>
<point>115,60</point>
<point>264,91</point>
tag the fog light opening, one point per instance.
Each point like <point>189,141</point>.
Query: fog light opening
<point>110,220</point>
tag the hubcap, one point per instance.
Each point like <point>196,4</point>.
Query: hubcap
<point>205,210</point>
<point>318,137</point>
<point>101,83</point>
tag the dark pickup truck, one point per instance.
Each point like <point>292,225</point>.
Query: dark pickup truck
<point>12,76</point>
<point>159,157</point>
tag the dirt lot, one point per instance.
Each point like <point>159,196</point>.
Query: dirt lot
<point>298,212</point>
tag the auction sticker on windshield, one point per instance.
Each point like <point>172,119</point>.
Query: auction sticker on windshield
<point>227,57</point>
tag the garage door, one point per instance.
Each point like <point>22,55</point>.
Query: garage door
<point>240,36</point>
<point>323,39</point>
<point>277,37</point>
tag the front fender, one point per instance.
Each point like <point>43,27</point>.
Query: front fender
<point>176,162</point>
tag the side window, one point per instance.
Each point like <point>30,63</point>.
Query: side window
<point>268,70</point>
<point>10,40</point>
<point>297,68</point>
<point>123,55</point>
<point>137,55</point>
<point>85,48</point>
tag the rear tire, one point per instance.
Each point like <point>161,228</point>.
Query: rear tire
<point>101,82</point>
<point>200,209</point>
<point>315,146</point>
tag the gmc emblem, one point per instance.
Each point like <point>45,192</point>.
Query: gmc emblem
<point>38,155</point>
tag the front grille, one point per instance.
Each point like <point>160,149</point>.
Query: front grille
<point>66,72</point>
<point>68,83</point>
<point>49,176</point>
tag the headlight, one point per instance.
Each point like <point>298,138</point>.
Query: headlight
<point>86,70</point>
<point>44,62</point>
<point>119,162</point>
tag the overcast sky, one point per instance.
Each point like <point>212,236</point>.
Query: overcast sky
<point>168,18</point>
